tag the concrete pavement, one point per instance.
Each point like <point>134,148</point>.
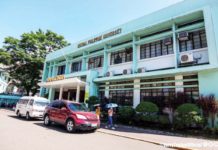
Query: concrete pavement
<point>19,134</point>
<point>162,138</point>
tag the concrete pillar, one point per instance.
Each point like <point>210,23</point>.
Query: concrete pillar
<point>77,93</point>
<point>175,47</point>
<point>67,67</point>
<point>136,93</point>
<point>44,76</point>
<point>84,61</point>
<point>61,93</point>
<point>68,95</point>
<point>179,83</point>
<point>106,94</point>
<point>134,55</point>
<point>51,94</point>
<point>105,64</point>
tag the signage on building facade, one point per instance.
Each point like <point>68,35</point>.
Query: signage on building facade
<point>60,77</point>
<point>101,37</point>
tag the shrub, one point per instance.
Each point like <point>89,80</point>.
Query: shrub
<point>92,101</point>
<point>126,114</point>
<point>187,115</point>
<point>147,107</point>
<point>163,120</point>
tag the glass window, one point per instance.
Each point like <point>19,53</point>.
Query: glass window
<point>121,56</point>
<point>76,66</point>
<point>155,49</point>
<point>95,62</point>
<point>197,40</point>
<point>77,107</point>
<point>61,70</point>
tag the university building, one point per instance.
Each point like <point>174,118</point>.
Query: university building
<point>172,50</point>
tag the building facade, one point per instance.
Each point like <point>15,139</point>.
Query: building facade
<point>172,50</point>
<point>4,78</point>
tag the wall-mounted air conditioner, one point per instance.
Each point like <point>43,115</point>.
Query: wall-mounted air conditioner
<point>141,70</point>
<point>183,36</point>
<point>167,41</point>
<point>109,74</point>
<point>127,71</point>
<point>186,58</point>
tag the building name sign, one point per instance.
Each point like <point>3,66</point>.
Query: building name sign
<point>60,77</point>
<point>101,37</point>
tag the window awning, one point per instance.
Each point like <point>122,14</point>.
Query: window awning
<point>65,83</point>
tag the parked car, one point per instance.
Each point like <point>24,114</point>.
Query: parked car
<point>31,107</point>
<point>74,116</point>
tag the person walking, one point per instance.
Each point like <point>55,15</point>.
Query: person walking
<point>110,118</point>
<point>98,112</point>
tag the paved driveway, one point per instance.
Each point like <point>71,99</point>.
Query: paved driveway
<point>19,134</point>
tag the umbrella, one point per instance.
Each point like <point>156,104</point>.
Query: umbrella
<point>111,105</point>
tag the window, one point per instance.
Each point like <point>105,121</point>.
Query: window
<point>121,56</point>
<point>95,62</point>
<point>61,70</point>
<point>155,49</point>
<point>76,66</point>
<point>31,102</point>
<point>157,90</point>
<point>193,92</point>
<point>197,40</point>
<point>122,97</point>
<point>56,104</point>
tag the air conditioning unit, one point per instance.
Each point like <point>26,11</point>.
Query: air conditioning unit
<point>127,71</point>
<point>109,74</point>
<point>186,58</point>
<point>141,70</point>
<point>167,41</point>
<point>183,36</point>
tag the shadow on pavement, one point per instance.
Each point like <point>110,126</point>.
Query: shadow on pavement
<point>129,129</point>
<point>60,128</point>
<point>24,119</point>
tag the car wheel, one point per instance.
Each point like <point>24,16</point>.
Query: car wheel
<point>18,114</point>
<point>47,121</point>
<point>27,116</point>
<point>70,127</point>
<point>94,130</point>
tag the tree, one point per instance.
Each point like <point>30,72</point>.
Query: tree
<point>25,56</point>
<point>209,105</point>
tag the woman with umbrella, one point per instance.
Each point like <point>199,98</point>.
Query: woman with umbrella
<point>110,114</point>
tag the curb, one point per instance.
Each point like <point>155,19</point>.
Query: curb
<point>146,141</point>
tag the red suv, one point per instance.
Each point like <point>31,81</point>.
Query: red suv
<point>73,115</point>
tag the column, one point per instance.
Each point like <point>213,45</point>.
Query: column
<point>67,66</point>
<point>106,94</point>
<point>44,75</point>
<point>136,93</point>
<point>61,93</point>
<point>84,61</point>
<point>51,94</point>
<point>54,70</point>
<point>175,49</point>
<point>134,55</point>
<point>179,83</point>
<point>105,64</point>
<point>77,93</point>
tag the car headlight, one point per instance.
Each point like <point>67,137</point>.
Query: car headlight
<point>81,117</point>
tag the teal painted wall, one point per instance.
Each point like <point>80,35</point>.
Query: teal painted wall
<point>208,82</point>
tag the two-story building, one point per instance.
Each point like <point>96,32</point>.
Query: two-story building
<point>4,78</point>
<point>171,50</point>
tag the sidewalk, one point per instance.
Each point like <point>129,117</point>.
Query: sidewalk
<point>162,138</point>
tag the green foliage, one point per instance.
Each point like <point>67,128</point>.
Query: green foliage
<point>187,115</point>
<point>126,114</point>
<point>163,120</point>
<point>92,101</point>
<point>187,108</point>
<point>26,56</point>
<point>147,107</point>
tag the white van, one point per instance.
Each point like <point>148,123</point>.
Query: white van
<point>31,107</point>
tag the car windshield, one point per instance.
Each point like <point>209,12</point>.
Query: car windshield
<point>41,103</point>
<point>77,107</point>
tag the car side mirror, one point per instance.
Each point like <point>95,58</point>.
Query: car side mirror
<point>63,108</point>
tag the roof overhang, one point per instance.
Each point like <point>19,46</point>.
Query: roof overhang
<point>65,83</point>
